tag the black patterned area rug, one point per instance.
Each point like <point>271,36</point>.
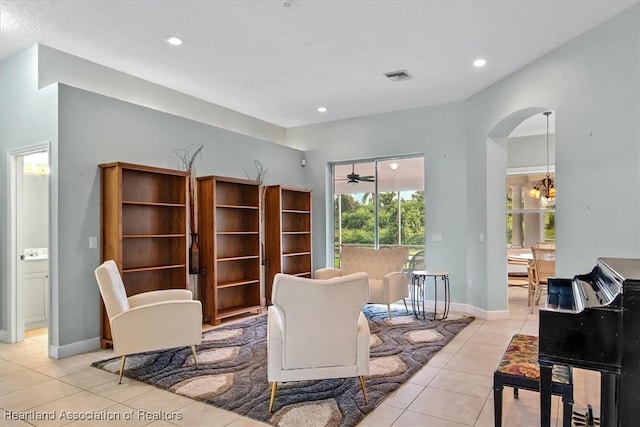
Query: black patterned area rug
<point>232,370</point>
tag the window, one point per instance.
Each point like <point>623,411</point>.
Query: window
<point>379,203</point>
<point>529,220</point>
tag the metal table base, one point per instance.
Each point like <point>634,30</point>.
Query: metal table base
<point>418,286</point>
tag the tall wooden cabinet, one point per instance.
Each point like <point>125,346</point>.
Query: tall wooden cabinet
<point>229,228</point>
<point>144,228</point>
<point>287,233</point>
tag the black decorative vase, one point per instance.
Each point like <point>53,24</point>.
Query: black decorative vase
<point>194,255</point>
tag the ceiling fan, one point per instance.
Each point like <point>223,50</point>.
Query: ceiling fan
<point>354,178</point>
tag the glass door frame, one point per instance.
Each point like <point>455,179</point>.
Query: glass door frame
<point>337,242</point>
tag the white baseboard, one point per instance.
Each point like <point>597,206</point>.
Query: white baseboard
<point>483,314</point>
<point>466,308</point>
<point>4,335</point>
<point>62,351</point>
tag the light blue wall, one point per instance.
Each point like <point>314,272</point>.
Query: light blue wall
<point>529,151</point>
<point>97,129</point>
<point>60,67</point>
<point>593,85</point>
<point>438,134</point>
<point>28,116</point>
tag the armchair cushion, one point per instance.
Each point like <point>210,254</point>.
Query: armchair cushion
<point>157,326</point>
<point>387,282</point>
<point>327,273</point>
<point>112,288</point>
<point>376,263</point>
<point>159,296</point>
<point>148,321</point>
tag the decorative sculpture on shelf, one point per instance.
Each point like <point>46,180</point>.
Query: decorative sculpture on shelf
<point>188,156</point>
<point>261,172</point>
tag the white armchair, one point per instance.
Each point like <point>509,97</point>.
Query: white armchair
<point>148,321</point>
<point>387,282</point>
<point>316,330</point>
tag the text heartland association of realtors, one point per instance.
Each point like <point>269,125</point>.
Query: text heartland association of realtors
<point>133,414</point>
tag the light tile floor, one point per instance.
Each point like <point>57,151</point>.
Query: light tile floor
<point>453,389</point>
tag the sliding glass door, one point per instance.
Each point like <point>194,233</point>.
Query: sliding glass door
<point>379,203</point>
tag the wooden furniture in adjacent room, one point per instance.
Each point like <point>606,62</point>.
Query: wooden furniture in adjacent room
<point>287,233</point>
<point>229,226</point>
<point>544,266</point>
<point>144,228</point>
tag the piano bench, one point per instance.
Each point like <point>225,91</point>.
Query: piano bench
<point>519,369</point>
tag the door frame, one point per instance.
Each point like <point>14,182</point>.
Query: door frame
<point>15,327</point>
<point>331,241</point>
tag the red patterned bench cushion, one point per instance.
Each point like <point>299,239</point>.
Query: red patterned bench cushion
<point>521,359</point>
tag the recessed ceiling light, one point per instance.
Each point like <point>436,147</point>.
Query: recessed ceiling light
<point>479,62</point>
<point>322,109</point>
<point>173,40</point>
<point>393,166</point>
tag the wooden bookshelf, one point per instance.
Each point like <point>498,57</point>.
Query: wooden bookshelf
<point>229,219</point>
<point>143,228</point>
<point>287,233</point>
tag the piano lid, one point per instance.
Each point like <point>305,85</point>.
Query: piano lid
<point>599,288</point>
<point>622,268</point>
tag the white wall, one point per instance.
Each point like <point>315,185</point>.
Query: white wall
<point>36,212</point>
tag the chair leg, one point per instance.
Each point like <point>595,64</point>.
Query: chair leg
<point>389,310</point>
<point>405,305</point>
<point>121,369</point>
<point>195,359</point>
<point>532,296</point>
<point>538,293</point>
<point>535,300</point>
<point>364,389</point>
<point>274,386</point>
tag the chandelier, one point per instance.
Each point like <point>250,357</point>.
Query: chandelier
<point>545,187</point>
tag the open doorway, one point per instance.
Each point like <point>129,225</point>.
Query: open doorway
<point>28,291</point>
<point>531,195</point>
<point>496,213</point>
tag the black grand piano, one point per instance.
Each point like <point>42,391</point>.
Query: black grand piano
<point>593,322</point>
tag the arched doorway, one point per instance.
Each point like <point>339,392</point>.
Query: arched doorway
<point>496,207</point>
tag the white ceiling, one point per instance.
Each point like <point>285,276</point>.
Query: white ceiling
<point>279,63</point>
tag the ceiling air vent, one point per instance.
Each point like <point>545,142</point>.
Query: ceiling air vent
<point>398,76</point>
